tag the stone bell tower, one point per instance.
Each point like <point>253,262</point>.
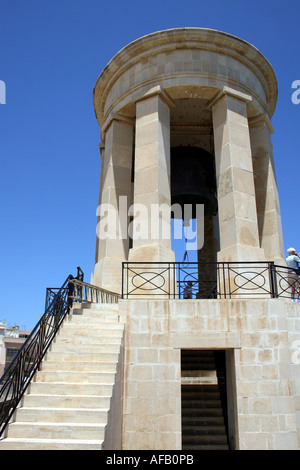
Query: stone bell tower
<point>177,93</point>
<point>185,117</point>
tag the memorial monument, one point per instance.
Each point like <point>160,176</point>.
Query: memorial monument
<point>185,118</point>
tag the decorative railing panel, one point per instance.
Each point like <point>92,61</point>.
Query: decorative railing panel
<point>205,280</point>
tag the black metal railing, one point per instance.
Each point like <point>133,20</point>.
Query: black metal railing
<point>16,379</point>
<point>222,280</point>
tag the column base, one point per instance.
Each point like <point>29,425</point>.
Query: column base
<point>151,253</point>
<point>108,275</point>
<point>241,253</point>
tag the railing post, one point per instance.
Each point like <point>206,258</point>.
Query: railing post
<point>127,280</point>
<point>169,272</point>
<point>273,280</point>
<point>174,281</point>
<point>122,280</point>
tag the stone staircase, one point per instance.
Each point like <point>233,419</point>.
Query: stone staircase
<point>203,426</point>
<point>68,404</point>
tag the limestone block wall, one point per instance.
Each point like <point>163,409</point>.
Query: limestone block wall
<point>294,342</point>
<point>152,402</point>
<point>265,382</point>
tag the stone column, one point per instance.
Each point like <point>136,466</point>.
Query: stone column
<point>267,200</point>
<point>151,229</point>
<point>239,240</point>
<point>114,202</point>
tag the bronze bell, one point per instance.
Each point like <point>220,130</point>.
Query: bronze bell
<point>193,179</point>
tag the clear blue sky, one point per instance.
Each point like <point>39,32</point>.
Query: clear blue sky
<point>51,53</point>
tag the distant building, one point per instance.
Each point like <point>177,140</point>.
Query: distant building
<point>11,340</point>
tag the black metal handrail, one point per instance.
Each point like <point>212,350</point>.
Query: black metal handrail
<point>16,379</point>
<point>193,280</point>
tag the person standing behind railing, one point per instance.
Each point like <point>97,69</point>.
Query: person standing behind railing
<point>188,290</point>
<point>293,263</point>
<point>70,293</point>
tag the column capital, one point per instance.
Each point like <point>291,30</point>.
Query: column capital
<point>227,91</point>
<point>259,120</point>
<point>156,91</point>
<point>116,117</point>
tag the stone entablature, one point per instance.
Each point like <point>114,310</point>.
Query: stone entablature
<point>186,63</point>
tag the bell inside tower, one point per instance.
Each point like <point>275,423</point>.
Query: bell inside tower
<point>193,188</point>
<point>193,180</point>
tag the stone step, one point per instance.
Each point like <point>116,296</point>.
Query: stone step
<point>85,355</point>
<point>61,415</point>
<point>207,421</point>
<point>188,412</point>
<point>192,430</point>
<point>110,307</point>
<point>92,340</point>
<point>84,340</point>
<point>80,366</point>
<point>75,377</point>
<point>198,373</point>
<point>198,403</point>
<point>94,310</point>
<point>47,430</point>
<point>66,401</point>
<point>91,325</point>
<point>50,444</point>
<point>196,366</point>
<point>95,318</point>
<point>95,328</point>
<point>112,347</point>
<point>199,380</point>
<point>70,389</point>
<point>93,333</point>
<point>206,447</point>
<point>194,392</point>
<point>212,439</point>
<point>204,395</point>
